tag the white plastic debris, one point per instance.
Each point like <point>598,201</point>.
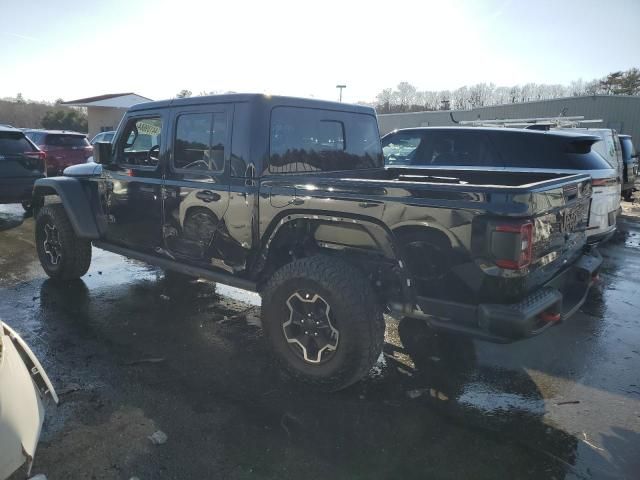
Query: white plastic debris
<point>158,437</point>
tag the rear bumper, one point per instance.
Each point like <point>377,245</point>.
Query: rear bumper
<point>15,190</point>
<point>601,237</point>
<point>604,210</point>
<point>555,301</point>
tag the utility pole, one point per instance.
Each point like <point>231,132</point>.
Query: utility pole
<point>340,87</point>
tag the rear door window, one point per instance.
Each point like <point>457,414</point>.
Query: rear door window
<point>448,148</point>
<point>311,140</point>
<point>200,140</point>
<point>444,148</point>
<point>14,143</point>
<point>399,148</point>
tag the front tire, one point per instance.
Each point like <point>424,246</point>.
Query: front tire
<point>62,254</point>
<point>323,322</point>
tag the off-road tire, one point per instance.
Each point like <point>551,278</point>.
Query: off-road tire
<point>354,306</point>
<point>75,253</point>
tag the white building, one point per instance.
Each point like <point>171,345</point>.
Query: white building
<point>105,111</point>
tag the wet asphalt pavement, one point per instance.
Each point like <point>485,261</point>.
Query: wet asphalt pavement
<point>131,354</point>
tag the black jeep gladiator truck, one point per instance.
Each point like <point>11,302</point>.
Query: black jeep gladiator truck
<point>290,198</point>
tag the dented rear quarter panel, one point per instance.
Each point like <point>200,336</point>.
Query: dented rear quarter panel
<point>458,211</point>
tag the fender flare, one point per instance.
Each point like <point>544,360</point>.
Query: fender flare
<point>75,202</point>
<point>380,233</point>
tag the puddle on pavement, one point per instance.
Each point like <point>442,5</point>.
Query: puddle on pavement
<point>124,311</point>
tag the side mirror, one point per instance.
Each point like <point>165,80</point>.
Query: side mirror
<point>102,153</point>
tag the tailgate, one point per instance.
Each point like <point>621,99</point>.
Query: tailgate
<point>560,224</point>
<point>69,155</point>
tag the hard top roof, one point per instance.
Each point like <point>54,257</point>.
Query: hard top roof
<point>267,100</point>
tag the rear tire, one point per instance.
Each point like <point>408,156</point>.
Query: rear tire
<point>62,254</point>
<point>344,330</point>
<point>628,195</point>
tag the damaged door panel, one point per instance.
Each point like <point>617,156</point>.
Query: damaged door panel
<point>24,387</point>
<point>196,187</point>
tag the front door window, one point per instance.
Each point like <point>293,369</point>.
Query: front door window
<point>140,145</point>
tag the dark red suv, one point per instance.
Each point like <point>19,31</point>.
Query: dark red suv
<point>62,148</point>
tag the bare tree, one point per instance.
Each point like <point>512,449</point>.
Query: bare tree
<point>501,95</point>
<point>406,98</point>
<point>406,95</point>
<point>384,98</point>
<point>480,94</point>
<point>461,98</point>
<point>592,88</point>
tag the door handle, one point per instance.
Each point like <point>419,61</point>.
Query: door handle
<point>368,204</point>
<point>208,196</point>
<point>297,201</point>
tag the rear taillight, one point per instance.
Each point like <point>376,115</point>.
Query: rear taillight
<point>512,245</point>
<point>36,155</point>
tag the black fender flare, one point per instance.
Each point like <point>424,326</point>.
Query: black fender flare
<point>379,232</point>
<point>75,201</point>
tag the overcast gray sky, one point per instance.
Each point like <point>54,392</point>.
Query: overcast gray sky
<point>78,48</point>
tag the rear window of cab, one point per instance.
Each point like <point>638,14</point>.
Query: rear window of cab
<point>314,140</point>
